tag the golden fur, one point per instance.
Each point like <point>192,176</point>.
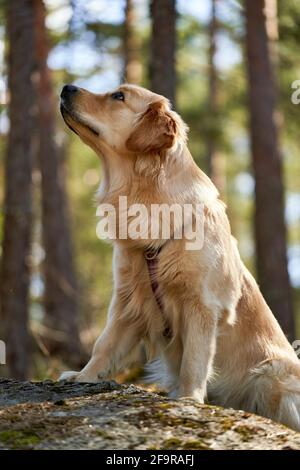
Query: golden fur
<point>227,346</point>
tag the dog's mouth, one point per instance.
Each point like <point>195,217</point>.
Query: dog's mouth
<point>69,115</point>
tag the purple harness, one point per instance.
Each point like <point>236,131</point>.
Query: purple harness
<point>151,257</point>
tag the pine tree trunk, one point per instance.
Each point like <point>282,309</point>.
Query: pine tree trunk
<point>132,64</point>
<point>163,48</point>
<point>215,161</point>
<point>61,291</point>
<point>270,230</point>
<point>15,266</point>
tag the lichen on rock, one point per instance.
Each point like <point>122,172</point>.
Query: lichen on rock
<point>106,415</point>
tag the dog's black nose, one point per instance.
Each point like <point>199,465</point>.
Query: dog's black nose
<point>68,90</point>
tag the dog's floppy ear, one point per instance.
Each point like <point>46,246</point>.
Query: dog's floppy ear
<point>155,130</point>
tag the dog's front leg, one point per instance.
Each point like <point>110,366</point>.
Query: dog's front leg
<point>111,348</point>
<point>199,340</point>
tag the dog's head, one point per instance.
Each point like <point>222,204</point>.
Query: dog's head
<point>128,120</point>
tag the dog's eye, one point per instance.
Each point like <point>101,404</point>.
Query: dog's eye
<point>118,95</point>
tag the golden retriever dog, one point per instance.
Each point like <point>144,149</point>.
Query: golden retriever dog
<point>200,312</point>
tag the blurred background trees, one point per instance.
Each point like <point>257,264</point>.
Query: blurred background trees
<point>17,205</point>
<point>215,160</point>
<point>163,48</point>
<point>60,285</point>
<point>270,230</point>
<point>226,65</point>
<point>131,45</point>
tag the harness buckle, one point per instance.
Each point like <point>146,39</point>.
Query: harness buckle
<point>152,253</point>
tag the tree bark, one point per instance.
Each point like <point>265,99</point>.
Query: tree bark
<point>132,64</point>
<point>270,230</point>
<point>15,266</point>
<point>215,161</point>
<point>163,48</point>
<point>61,291</point>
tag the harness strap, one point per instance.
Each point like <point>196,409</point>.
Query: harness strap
<point>151,257</point>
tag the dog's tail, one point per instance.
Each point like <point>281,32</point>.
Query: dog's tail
<point>274,392</point>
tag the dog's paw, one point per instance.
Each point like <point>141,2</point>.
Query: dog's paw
<point>69,376</point>
<point>81,377</point>
<point>173,393</point>
<point>197,394</point>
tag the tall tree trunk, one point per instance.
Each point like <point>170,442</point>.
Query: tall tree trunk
<point>163,48</point>
<point>61,293</point>
<point>132,64</point>
<point>272,28</point>
<point>215,161</point>
<point>270,230</point>
<point>15,270</point>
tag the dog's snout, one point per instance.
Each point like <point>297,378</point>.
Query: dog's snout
<point>69,90</point>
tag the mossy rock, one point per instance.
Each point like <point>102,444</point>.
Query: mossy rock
<point>48,415</point>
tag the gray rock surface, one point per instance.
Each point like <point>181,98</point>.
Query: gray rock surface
<point>49,415</point>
